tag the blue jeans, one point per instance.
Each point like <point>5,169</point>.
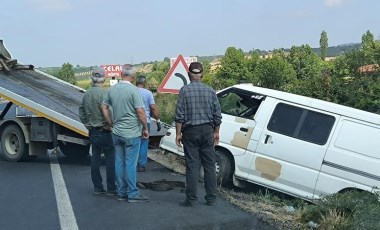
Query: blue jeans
<point>126,151</point>
<point>101,141</point>
<point>143,155</point>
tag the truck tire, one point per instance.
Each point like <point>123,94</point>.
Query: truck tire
<point>73,150</point>
<point>13,144</point>
<point>223,169</point>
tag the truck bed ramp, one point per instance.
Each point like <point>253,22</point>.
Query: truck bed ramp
<point>44,95</point>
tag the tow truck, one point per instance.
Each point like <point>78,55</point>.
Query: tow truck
<point>40,112</point>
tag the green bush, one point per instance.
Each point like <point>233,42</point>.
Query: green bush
<point>348,210</point>
<point>85,84</point>
<point>166,104</point>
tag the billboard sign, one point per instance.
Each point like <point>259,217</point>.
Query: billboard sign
<point>113,70</point>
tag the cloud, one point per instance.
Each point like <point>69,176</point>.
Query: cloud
<point>52,5</point>
<point>334,3</point>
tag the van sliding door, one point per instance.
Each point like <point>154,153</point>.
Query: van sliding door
<point>291,149</point>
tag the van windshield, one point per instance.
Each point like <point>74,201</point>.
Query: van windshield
<point>238,103</point>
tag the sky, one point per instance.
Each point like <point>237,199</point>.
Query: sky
<point>48,33</point>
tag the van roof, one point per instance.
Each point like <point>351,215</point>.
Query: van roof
<point>314,103</point>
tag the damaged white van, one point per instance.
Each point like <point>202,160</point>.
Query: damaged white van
<point>294,144</point>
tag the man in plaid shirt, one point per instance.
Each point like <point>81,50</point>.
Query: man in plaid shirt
<point>198,118</point>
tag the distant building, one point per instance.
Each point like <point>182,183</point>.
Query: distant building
<point>368,68</point>
<point>87,73</point>
<point>214,65</point>
<point>330,58</point>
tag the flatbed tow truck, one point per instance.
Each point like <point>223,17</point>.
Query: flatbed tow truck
<point>40,112</point>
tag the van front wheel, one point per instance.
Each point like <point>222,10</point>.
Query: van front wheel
<point>223,168</point>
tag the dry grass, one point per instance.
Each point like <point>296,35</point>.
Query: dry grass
<point>271,212</point>
<point>332,219</point>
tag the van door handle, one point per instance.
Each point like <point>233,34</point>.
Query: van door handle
<point>266,139</point>
<point>243,129</point>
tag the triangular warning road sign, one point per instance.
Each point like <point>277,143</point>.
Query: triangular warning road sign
<point>176,77</point>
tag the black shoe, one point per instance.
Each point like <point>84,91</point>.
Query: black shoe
<point>99,191</point>
<point>141,169</point>
<point>111,193</point>
<point>122,198</point>
<point>210,202</point>
<point>138,199</point>
<point>187,203</point>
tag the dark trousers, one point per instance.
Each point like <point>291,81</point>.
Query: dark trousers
<point>102,142</point>
<point>198,142</point>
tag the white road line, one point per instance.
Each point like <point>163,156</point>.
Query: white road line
<point>65,210</point>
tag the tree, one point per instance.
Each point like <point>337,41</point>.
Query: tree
<point>252,61</point>
<point>280,52</point>
<point>368,47</point>
<point>305,62</point>
<point>161,66</point>
<point>368,40</point>
<point>66,73</point>
<point>275,73</point>
<point>52,71</point>
<point>315,87</point>
<point>352,86</point>
<point>159,71</point>
<point>376,52</point>
<point>355,60</point>
<point>208,78</point>
<point>232,69</point>
<point>323,42</point>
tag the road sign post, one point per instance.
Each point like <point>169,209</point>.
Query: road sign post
<point>176,78</point>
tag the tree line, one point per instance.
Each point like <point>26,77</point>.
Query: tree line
<point>351,79</point>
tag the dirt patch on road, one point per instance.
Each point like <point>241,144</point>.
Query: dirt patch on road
<point>274,213</point>
<point>169,160</point>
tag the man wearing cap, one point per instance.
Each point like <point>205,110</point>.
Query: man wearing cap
<point>198,117</point>
<point>129,125</point>
<point>150,107</point>
<point>99,132</point>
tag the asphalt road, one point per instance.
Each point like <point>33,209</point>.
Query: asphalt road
<point>47,195</point>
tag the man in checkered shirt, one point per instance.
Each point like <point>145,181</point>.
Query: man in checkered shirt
<point>198,118</point>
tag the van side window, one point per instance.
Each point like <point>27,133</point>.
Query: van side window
<point>238,103</point>
<point>301,123</point>
<point>316,128</point>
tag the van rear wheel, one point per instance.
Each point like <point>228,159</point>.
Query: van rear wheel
<point>13,144</point>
